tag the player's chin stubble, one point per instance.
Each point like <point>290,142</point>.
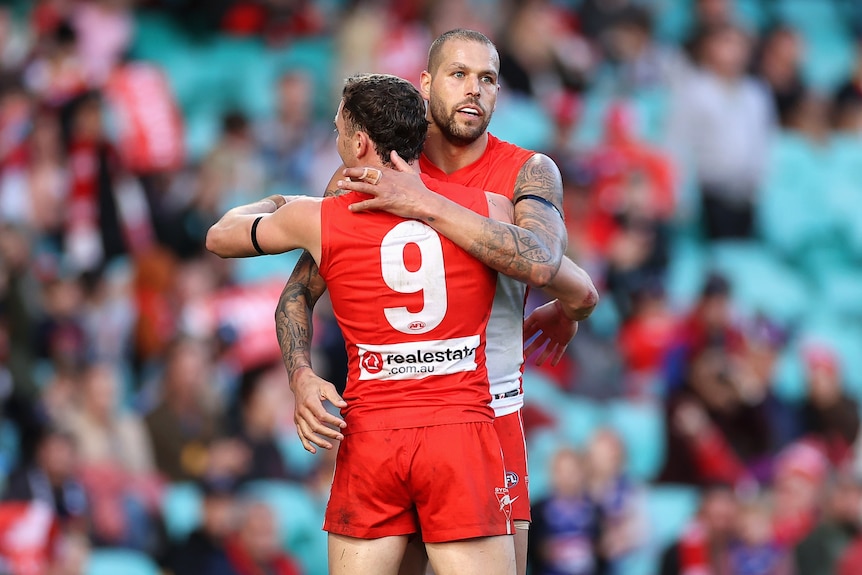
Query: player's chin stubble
<point>455,132</point>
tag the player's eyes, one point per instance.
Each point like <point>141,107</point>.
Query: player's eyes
<point>458,74</point>
<point>488,79</point>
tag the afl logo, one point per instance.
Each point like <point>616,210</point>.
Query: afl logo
<point>372,362</point>
<point>511,479</point>
<point>417,325</point>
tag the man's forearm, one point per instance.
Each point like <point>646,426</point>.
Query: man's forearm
<point>293,315</point>
<point>227,236</point>
<point>574,289</point>
<point>507,248</point>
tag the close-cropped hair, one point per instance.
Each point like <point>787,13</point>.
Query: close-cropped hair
<point>463,34</point>
<point>390,110</point>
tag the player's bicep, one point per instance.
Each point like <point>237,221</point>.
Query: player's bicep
<point>538,200</point>
<point>294,225</point>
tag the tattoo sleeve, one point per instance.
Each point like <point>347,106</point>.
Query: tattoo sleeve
<point>530,250</point>
<point>293,313</point>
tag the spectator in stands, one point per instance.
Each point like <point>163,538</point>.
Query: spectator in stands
<point>619,499</point>
<point>104,30</point>
<point>185,422</point>
<point>34,183</point>
<point>254,547</point>
<point>710,323</point>
<point>542,53</point>
<point>566,529</point>
<point>262,407</point>
<point>721,124</point>
<point>809,116</point>
<point>71,556</point>
<point>56,75</point>
<point>642,63</point>
<point>848,98</point>
<point>61,337</point>
<point>778,64</point>
<point>51,477</point>
<point>799,479</point>
<point>703,546</point>
<point>203,552</point>
<point>754,550</point>
<point>116,463</point>
<point>288,141</point>
<point>839,526</point>
<point>631,206</point>
<point>828,415</point>
<point>20,301</point>
<point>232,172</point>
<point>645,338</point>
<point>94,226</point>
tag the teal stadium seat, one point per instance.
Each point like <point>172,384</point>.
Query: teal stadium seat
<point>641,428</point>
<point>120,562</point>
<point>181,509</point>
<point>761,281</point>
<point>793,212</point>
<point>670,508</point>
<point>686,272</point>
<point>829,49</point>
<point>523,122</point>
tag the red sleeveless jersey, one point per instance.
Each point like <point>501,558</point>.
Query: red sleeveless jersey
<point>412,307</point>
<point>496,170</point>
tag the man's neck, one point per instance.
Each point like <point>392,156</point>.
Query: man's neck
<point>451,157</point>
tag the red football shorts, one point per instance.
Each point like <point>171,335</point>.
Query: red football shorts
<point>510,430</point>
<point>446,480</point>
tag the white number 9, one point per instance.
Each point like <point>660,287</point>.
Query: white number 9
<point>429,278</point>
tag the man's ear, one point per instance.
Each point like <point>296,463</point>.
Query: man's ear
<point>363,145</point>
<point>425,84</point>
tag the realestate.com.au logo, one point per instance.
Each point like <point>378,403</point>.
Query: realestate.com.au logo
<point>416,360</point>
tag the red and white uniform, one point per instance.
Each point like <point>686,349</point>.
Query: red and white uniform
<point>413,309</point>
<point>497,171</point>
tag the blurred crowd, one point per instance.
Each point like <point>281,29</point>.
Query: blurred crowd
<point>711,170</point>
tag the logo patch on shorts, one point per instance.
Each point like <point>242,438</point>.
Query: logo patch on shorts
<point>511,479</point>
<point>505,501</point>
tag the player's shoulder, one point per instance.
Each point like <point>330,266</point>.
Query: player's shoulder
<point>504,148</point>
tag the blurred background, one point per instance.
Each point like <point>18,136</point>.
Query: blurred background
<point>705,419</point>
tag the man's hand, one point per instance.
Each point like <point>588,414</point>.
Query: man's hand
<point>311,418</point>
<point>554,330</point>
<point>400,191</point>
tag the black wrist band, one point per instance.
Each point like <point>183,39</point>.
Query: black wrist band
<point>541,200</point>
<point>254,236</point>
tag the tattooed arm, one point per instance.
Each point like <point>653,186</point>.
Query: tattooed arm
<point>530,250</point>
<point>314,424</point>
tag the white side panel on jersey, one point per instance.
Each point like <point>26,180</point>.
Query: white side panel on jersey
<point>504,344</point>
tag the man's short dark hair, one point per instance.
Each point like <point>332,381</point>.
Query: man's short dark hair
<point>390,110</point>
<point>456,34</point>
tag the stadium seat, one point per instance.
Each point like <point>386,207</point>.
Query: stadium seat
<point>181,509</point>
<point>761,281</point>
<point>641,427</point>
<point>120,561</point>
<point>670,508</point>
<point>10,447</point>
<point>793,211</point>
<point>687,268</point>
<point>522,122</point>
